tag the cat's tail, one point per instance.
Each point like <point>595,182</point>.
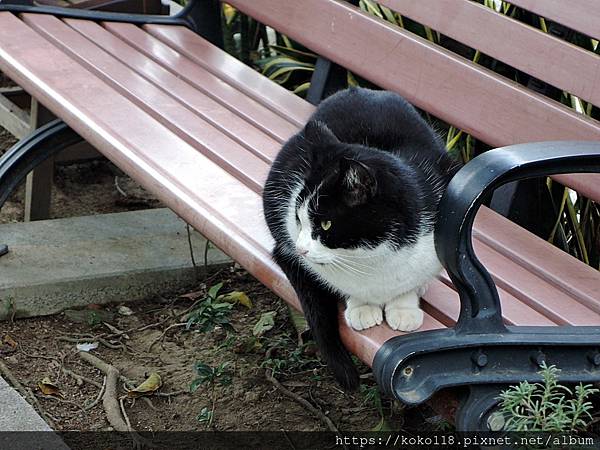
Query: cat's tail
<point>320,307</point>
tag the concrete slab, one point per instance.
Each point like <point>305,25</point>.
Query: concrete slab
<point>17,414</point>
<point>53,265</point>
<point>20,424</point>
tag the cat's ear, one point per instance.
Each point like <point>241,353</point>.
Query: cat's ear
<point>318,133</point>
<point>359,183</point>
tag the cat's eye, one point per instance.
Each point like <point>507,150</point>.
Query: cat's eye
<point>326,224</point>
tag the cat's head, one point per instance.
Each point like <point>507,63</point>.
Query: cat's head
<point>354,197</point>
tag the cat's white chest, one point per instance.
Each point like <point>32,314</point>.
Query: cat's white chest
<point>380,274</point>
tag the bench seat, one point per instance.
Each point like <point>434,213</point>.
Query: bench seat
<point>199,129</point>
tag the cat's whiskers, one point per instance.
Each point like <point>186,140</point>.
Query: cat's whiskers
<point>351,268</point>
<point>351,261</point>
<point>336,264</point>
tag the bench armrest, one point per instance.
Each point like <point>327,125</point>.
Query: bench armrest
<point>470,187</point>
<point>201,16</point>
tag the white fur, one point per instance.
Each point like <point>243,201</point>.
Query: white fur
<point>371,278</point>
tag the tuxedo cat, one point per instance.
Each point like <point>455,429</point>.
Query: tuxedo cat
<point>351,202</point>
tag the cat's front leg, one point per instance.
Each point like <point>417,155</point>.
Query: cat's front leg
<point>403,312</point>
<point>361,315</point>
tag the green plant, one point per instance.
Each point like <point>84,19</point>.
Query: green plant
<point>284,356</point>
<point>547,406</point>
<point>211,311</point>
<point>210,377</point>
<point>372,396</point>
<point>205,415</point>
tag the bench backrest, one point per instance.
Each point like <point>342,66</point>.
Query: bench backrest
<point>492,108</point>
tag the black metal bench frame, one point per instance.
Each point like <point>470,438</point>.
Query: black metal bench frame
<point>479,353</point>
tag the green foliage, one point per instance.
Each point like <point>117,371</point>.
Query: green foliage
<point>547,406</point>
<point>210,376</point>
<point>285,357</point>
<point>205,415</point>
<point>211,312</point>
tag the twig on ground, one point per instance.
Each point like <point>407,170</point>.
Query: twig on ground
<point>98,398</point>
<point>122,405</point>
<point>118,188</point>
<point>101,340</point>
<point>164,333</point>
<point>109,398</point>
<point>170,394</point>
<point>60,400</point>
<point>80,379</point>
<point>305,403</point>
<point>139,328</point>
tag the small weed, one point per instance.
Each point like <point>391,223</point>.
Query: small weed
<point>547,406</point>
<point>211,312</point>
<point>289,358</point>
<point>210,377</point>
<point>205,415</point>
<point>372,396</point>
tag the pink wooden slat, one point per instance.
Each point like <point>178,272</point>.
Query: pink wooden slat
<point>442,302</point>
<point>230,70</point>
<point>222,65</point>
<point>533,291</point>
<point>204,81</point>
<point>562,270</point>
<point>172,114</point>
<point>492,108</point>
<point>372,339</point>
<point>581,15</point>
<point>190,184</point>
<point>573,69</point>
<point>218,115</point>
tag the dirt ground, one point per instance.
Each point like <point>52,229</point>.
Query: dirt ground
<point>155,340</point>
<point>237,394</point>
<point>91,187</point>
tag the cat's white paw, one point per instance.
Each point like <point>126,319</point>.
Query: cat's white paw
<point>420,291</point>
<point>404,319</point>
<point>363,316</point>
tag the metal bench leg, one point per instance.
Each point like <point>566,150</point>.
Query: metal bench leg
<point>29,153</point>
<point>477,411</point>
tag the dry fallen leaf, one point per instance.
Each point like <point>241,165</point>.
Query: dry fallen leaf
<point>7,345</point>
<point>265,323</point>
<point>49,388</point>
<point>237,297</point>
<point>152,384</point>
<point>10,341</point>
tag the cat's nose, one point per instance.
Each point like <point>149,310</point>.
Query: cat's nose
<point>302,251</point>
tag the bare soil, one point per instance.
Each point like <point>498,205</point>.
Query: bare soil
<point>39,348</point>
<point>248,402</point>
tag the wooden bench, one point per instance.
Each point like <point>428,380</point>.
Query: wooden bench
<point>20,114</point>
<point>199,129</point>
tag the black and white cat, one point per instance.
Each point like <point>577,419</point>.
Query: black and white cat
<point>351,201</point>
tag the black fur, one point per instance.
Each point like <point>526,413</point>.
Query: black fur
<point>382,169</point>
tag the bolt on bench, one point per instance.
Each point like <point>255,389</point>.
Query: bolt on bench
<point>199,129</point>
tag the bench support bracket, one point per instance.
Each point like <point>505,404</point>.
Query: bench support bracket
<point>29,153</point>
<point>480,351</point>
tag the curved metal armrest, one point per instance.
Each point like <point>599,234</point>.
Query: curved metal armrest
<point>201,16</point>
<point>480,304</point>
